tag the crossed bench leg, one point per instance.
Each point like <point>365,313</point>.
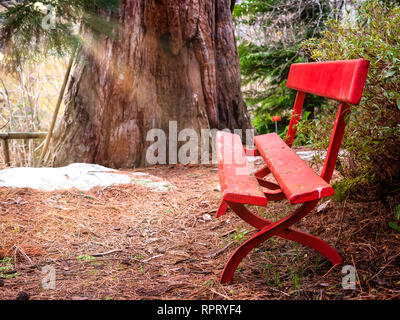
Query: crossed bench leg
<point>280,228</point>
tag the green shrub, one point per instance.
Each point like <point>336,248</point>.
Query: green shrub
<point>279,26</point>
<point>373,131</point>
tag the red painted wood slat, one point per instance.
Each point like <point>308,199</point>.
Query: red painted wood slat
<point>235,177</point>
<point>297,180</point>
<point>334,144</point>
<point>339,80</point>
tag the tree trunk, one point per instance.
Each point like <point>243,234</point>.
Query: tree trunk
<point>170,60</point>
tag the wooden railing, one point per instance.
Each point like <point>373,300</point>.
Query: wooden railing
<point>5,136</point>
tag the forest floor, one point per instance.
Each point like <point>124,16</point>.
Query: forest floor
<point>127,242</point>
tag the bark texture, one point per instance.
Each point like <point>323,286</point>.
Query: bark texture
<point>169,60</point>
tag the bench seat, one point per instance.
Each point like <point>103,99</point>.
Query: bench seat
<point>237,182</point>
<point>297,180</point>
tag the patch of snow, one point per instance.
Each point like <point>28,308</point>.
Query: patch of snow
<point>251,159</point>
<point>82,176</point>
<point>323,206</point>
<point>309,155</point>
<point>305,155</point>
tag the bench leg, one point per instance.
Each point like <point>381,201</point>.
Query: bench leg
<point>303,238</point>
<point>313,242</point>
<point>251,218</point>
<point>280,228</point>
<point>264,171</point>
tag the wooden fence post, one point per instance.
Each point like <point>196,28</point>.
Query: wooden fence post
<point>6,152</point>
<point>5,136</point>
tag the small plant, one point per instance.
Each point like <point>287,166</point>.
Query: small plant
<point>122,267</point>
<point>139,256</point>
<point>85,196</point>
<point>297,281</point>
<point>238,236</point>
<point>297,276</point>
<point>5,260</point>
<point>395,225</point>
<point>86,257</point>
<point>209,283</point>
<point>6,268</point>
<point>298,253</point>
<point>162,272</point>
<point>277,278</point>
<point>266,271</point>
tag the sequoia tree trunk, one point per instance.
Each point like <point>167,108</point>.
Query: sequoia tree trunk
<point>170,60</point>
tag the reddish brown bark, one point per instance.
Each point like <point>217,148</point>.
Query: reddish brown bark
<point>170,60</point>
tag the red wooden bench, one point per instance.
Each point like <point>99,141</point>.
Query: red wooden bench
<point>342,81</point>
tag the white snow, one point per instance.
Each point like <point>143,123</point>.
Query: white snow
<point>305,155</point>
<point>309,155</point>
<point>82,176</point>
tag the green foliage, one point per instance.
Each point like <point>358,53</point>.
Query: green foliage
<point>395,225</point>
<point>250,7</point>
<point>239,235</point>
<point>341,191</point>
<point>303,137</point>
<point>373,131</point>
<point>86,257</point>
<point>6,269</point>
<point>23,36</point>
<point>280,27</point>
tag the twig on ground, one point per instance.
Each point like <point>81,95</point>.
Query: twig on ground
<point>218,252</point>
<point>329,271</point>
<point>219,294</point>
<point>385,266</point>
<point>151,258</point>
<point>340,224</point>
<point>358,278</point>
<point>105,253</point>
<point>18,249</point>
<point>280,291</point>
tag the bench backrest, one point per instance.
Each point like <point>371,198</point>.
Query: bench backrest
<point>338,80</point>
<point>342,81</point>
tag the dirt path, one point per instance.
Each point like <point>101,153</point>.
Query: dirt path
<point>126,242</point>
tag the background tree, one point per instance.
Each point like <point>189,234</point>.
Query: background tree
<point>166,60</point>
<point>33,63</point>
